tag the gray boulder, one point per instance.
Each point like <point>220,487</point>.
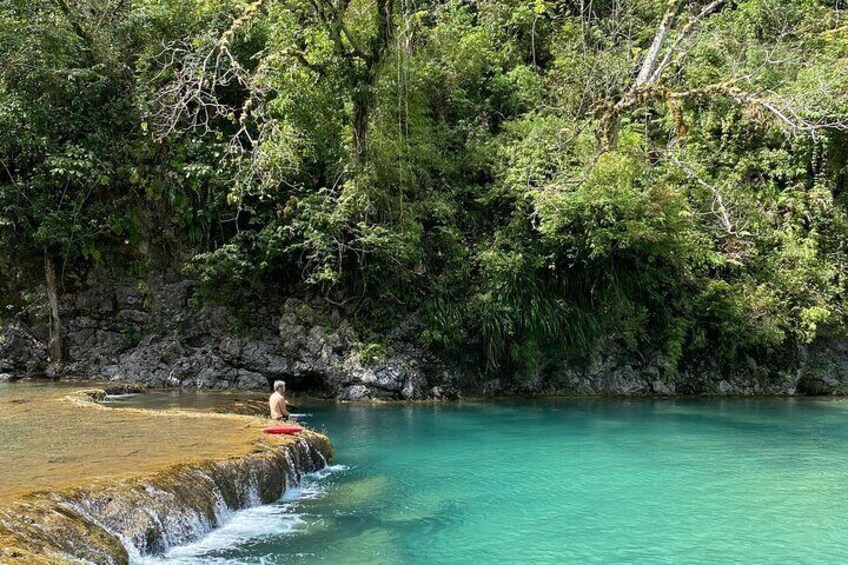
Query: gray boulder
<point>356,392</point>
<point>21,354</point>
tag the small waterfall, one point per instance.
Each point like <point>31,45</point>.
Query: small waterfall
<point>148,516</point>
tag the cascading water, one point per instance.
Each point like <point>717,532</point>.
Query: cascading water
<point>147,516</point>
<point>66,492</point>
<point>177,509</point>
<point>246,526</point>
<point>559,482</point>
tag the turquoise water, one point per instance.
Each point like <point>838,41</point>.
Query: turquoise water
<point>762,481</point>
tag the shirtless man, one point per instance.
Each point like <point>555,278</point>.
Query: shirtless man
<point>278,401</point>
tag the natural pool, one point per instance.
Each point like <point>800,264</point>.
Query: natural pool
<point>735,481</point>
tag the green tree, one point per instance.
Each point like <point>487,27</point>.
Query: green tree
<point>66,108</point>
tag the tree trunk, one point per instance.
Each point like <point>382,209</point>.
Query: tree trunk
<point>608,126</point>
<point>650,62</point>
<point>360,126</point>
<point>364,81</point>
<point>54,342</point>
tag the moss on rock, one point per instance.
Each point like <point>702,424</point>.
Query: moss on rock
<point>109,520</point>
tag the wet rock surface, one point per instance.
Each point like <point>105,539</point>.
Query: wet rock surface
<point>149,515</point>
<point>188,501</point>
<point>39,531</point>
<point>120,517</point>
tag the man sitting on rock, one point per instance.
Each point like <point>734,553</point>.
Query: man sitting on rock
<point>278,401</point>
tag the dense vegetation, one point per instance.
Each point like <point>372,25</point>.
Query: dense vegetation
<point>528,176</point>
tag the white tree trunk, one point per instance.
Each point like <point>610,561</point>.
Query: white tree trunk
<point>650,61</point>
<point>54,342</point>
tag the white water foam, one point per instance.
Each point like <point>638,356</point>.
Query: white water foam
<point>118,397</point>
<point>245,526</point>
<point>132,551</point>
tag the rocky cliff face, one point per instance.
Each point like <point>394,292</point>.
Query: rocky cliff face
<point>21,354</point>
<point>157,338</point>
<point>153,335</point>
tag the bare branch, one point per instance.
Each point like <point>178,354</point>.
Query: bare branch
<point>793,116</point>
<point>684,33</point>
<point>189,99</point>
<point>648,64</point>
<point>718,207</point>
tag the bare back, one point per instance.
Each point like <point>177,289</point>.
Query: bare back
<point>277,403</point>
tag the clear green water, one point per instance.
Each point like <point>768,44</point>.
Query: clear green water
<point>761,481</point>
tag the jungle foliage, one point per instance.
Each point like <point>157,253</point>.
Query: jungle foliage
<point>531,177</point>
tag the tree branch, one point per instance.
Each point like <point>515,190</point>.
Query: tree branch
<point>665,26</point>
<point>301,57</point>
<point>75,25</point>
<point>684,32</point>
<point>718,207</point>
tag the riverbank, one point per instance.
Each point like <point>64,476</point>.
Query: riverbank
<point>162,335</point>
<point>83,481</point>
